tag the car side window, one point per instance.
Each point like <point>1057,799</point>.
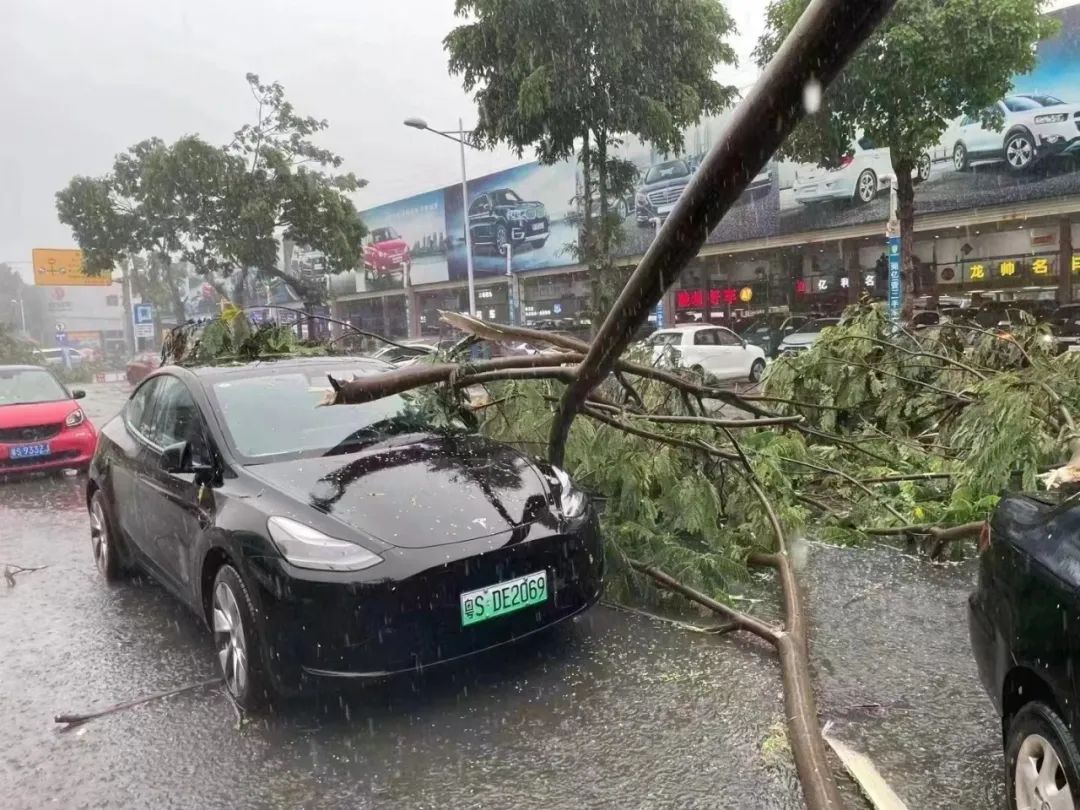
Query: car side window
<point>139,408</point>
<point>177,419</point>
<point>726,338</point>
<point>705,337</point>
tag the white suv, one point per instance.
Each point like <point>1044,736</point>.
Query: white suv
<point>864,171</point>
<point>1035,126</point>
<point>710,351</point>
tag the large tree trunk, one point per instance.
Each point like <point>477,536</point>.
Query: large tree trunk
<point>905,204</point>
<point>588,235</point>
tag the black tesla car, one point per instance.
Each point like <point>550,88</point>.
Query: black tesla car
<point>347,542</point>
<point>1024,617</point>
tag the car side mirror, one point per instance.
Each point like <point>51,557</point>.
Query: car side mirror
<point>177,459</point>
<point>743,342</point>
<point>78,393</point>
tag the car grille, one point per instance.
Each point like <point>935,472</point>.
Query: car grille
<point>17,463</point>
<point>665,196</point>
<point>31,433</point>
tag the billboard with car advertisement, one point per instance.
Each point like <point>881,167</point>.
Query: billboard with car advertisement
<point>407,235</point>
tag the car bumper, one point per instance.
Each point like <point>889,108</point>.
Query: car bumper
<point>824,191</point>
<point>530,232</point>
<point>72,447</point>
<point>363,629</point>
<point>981,633</point>
<point>1054,139</point>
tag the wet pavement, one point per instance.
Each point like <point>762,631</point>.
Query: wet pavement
<point>615,710</point>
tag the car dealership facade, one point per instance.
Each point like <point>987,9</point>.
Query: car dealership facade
<point>990,225</point>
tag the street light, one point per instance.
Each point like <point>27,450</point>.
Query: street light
<point>459,136</point>
<point>22,312</point>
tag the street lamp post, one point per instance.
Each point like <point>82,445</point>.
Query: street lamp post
<point>22,312</point>
<point>460,133</point>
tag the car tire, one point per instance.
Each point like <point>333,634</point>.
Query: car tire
<point>104,540</point>
<point>922,169</point>
<point>960,158</point>
<point>1038,739</point>
<point>500,238</point>
<point>1019,150</point>
<point>866,187</point>
<point>237,643</point>
<point>756,370</point>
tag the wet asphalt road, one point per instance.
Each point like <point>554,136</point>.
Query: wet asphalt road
<point>616,710</point>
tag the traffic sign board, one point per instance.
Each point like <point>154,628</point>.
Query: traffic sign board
<point>144,313</point>
<point>144,330</point>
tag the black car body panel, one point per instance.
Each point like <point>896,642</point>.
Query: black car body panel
<point>446,513</point>
<point>1024,615</point>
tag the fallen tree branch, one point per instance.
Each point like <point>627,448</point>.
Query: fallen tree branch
<point>849,479</point>
<point>11,571</point>
<point>72,720</point>
<point>889,479</point>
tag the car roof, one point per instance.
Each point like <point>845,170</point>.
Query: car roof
<point>689,327</point>
<point>24,367</point>
<point>260,368</point>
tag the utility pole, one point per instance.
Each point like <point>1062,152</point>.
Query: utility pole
<point>129,315</point>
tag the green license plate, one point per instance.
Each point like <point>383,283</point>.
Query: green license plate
<point>503,597</point>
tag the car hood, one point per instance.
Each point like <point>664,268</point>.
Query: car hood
<point>390,245</point>
<point>800,338</point>
<point>35,413</point>
<point>519,205</point>
<point>674,181</point>
<point>418,490</point>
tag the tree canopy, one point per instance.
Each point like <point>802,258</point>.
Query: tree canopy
<point>929,62</point>
<point>222,209</point>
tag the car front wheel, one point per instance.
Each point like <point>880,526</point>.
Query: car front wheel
<point>236,640</point>
<point>1041,761</point>
<point>1019,150</point>
<point>923,169</point>
<point>866,187</point>
<point>756,370</point>
<point>500,238</point>
<point>960,157</point>
<point>104,542</point>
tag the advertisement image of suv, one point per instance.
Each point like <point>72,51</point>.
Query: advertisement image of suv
<point>660,190</point>
<point>862,173</point>
<point>1035,126</point>
<point>499,217</point>
<point>387,252</point>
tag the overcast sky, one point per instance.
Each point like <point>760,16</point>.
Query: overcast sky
<point>81,81</point>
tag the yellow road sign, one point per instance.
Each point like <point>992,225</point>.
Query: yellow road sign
<point>54,268</point>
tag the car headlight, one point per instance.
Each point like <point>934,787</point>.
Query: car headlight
<point>571,499</point>
<point>75,418</point>
<point>1054,118</point>
<point>515,214</point>
<point>306,547</point>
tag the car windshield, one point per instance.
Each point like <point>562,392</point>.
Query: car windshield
<point>25,386</point>
<point>1033,102</point>
<point>667,171</point>
<point>818,325</point>
<point>290,400</point>
<point>384,234</point>
<point>505,197</point>
<point>665,339</point>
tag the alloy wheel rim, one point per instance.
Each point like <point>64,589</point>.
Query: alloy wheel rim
<point>958,157</point>
<point>99,536</point>
<point>1039,779</point>
<point>866,187</point>
<point>1019,151</point>
<point>229,639</point>
<point>924,169</point>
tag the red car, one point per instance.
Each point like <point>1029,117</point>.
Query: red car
<point>142,364</point>
<point>386,252</point>
<point>41,425</point>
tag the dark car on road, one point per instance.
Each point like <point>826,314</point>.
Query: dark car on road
<point>1024,617</point>
<point>500,217</point>
<point>660,190</point>
<point>339,544</point>
<point>766,331</point>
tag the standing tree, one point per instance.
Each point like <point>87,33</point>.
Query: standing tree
<point>929,62</point>
<point>559,76</point>
<point>225,210</point>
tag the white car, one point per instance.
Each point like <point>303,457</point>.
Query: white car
<point>862,173</point>
<point>711,351</point>
<point>55,357</point>
<point>806,335</point>
<point>1035,126</point>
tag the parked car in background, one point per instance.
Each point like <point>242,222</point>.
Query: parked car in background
<point>55,357</point>
<point>42,426</point>
<point>805,335</point>
<point>709,351</point>
<point>766,331</point>
<point>500,217</point>
<point>863,172</point>
<point>1035,126</point>
<point>386,252</point>
<point>404,351</point>
<point>660,190</point>
<point>341,544</point>
<point>1022,620</point>
<point>140,365</point>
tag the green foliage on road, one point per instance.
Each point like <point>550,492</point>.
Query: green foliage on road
<point>14,350</point>
<point>569,75</point>
<point>224,210</point>
<point>929,62</point>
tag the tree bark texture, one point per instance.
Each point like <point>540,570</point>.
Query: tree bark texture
<point>905,204</point>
